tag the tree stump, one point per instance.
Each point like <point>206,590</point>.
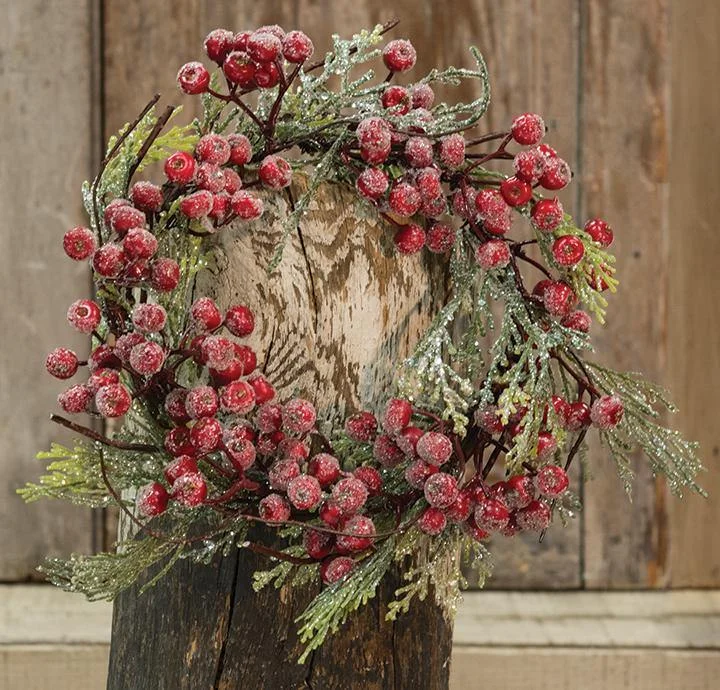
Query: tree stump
<point>333,322</point>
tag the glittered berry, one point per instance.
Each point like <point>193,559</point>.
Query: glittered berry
<point>404,199</point>
<point>113,400</point>
<point>515,191</point>
<point>418,152</point>
<point>496,215</point>
<point>242,453</point>
<point>399,55</point>
<point>125,343</point>
<point>386,451</point>
<point>264,390</point>
<point>180,167</point>
<point>492,254</point>
<point>606,412</point>
<point>325,468</point>
<point>491,514</point>
<point>274,508</point>
<point>263,46</point>
<point>317,544</point>
<point>149,318</point>
<point>237,397</point>
<point>396,415</point>
<point>275,172</point>
<point>206,435</point>
<point>184,464</point>
<point>213,149</point>
<point>349,495</point>
<point>375,141</point>
<point>221,204</point>
<point>147,358</point>
<point>79,243</point>
<point>372,183</point>
<point>246,206</point>
<point>84,315</point>
<point>298,416</point>
<point>535,517</point>
<point>409,239</point>
<point>559,299</point>
<point>198,204</point>
<point>417,473</point>
<point>358,533</point>
<point>175,405</point>
<point>334,570</point>
<point>165,274</point>
<point>120,216</point>
<point>269,418</point>
<point>361,427</point>
<point>330,513</point>
<point>557,174</point>
<point>109,260</point>
<point>152,499</point>
<point>528,129</point>
<point>102,377</point>
<point>578,320</point>
<point>211,178</point>
<point>190,490</point>
<point>407,440</point>
<point>464,203</point>
<point>600,232</point>
<point>61,363</point>
<point>147,196</point>
<point>218,43</point>
<point>297,47</point>
<point>240,149</point>
<point>452,150</point>
<point>240,321</point>
<point>552,481</point>
<point>434,448</point>
<point>461,508</point>
<point>240,69</point>
<point>217,352</point>
<point>441,490</point>
<point>75,399</point>
<point>201,401</point>
<point>432,521</point>
<point>193,78</point>
<point>396,99</point>
<point>428,183</point>
<point>282,473</point>
<point>304,492</point>
<point>547,215</point>
<point>518,491</point>
<point>568,250</point>
<point>205,314</point>
<point>578,416</point>
<point>488,420</point>
<point>370,477</point>
<point>177,442</point>
<point>440,238</point>
<point>529,165</point>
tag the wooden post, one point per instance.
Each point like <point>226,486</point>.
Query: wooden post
<point>334,321</point>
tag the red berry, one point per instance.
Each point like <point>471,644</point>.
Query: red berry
<point>149,318</point>
<point>387,452</point>
<point>491,514</point>
<point>561,408</point>
<point>464,202</point>
<point>552,481</point>
<point>317,544</point>
<point>240,69</point>
<point>404,199</point>
<point>606,412</point>
<point>487,418</point>
<point>193,78</point>
<point>246,206</point>
<point>198,204</point>
<point>190,490</point>
<point>84,315</point>
<point>496,215</point>
<point>211,178</point>
<point>409,239</point>
<point>75,399</point>
<point>298,416</point>
<point>233,183</point>
<point>547,151</point>
<point>434,448</point>
<point>221,204</point>
<point>578,416</point>
<point>240,149</point>
<point>358,535</point>
<point>120,216</point>
<point>282,473</point>
<point>269,418</point>
<point>568,250</point>
<point>275,172</point>
<point>293,449</point>
<point>214,149</point>
<point>274,508</point>
<point>113,400</point>
<point>547,215</point>
<point>422,96</point>
<point>62,363</point>
<point>577,320</point>
<point>396,415</point>
<point>452,150</point>
<point>217,352</point>
<point>349,495</point>
<point>241,452</point>
<point>325,468</point>
<point>418,472</point>
<point>529,165</point>
<point>600,232</point>
<point>124,345</point>
<point>218,44</point>
<point>528,129</point>
<point>304,492</point>
<point>336,569</point>
<point>361,427</point>
<point>370,477</point>
<point>399,55</point>
<point>428,184</point>
<point>175,405</point>
<point>460,510</point>
<point>239,320</point>
<point>375,141</point>
<point>237,397</point>
<point>372,183</point>
<point>79,243</point>
<point>546,446</point>
<point>536,517</point>
<point>440,238</point>
<point>432,521</point>
<point>330,513</point>
<point>267,75</point>
<point>177,442</point>
<point>419,152</point>
<point>515,191</point>
<point>152,499</point>
<point>559,299</point>
<point>441,490</point>
<point>492,254</point>
<point>109,260</point>
<point>273,29</point>
<point>407,440</point>
<point>180,167</point>
<point>264,390</point>
<point>396,99</point>
<point>139,244</point>
<point>165,274</point>
<point>263,46</point>
<point>184,464</point>
<point>477,533</point>
<point>102,377</point>
<point>206,435</point>
<point>297,47</point>
<point>205,314</point>
<point>201,401</point>
<point>147,358</point>
<point>557,174</point>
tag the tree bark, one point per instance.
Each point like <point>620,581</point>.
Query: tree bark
<point>333,322</point>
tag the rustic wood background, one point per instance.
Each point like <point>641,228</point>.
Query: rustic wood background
<point>623,84</point>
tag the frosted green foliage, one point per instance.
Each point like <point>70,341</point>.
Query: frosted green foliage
<point>567,507</point>
<point>285,571</point>
<point>667,451</point>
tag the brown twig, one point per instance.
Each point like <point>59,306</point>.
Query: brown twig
<point>95,436</point>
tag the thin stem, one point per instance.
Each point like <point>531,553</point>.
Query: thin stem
<point>154,134</point>
<point>95,436</point>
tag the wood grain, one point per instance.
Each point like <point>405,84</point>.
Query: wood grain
<point>694,284</point>
<point>45,89</point>
<point>624,175</point>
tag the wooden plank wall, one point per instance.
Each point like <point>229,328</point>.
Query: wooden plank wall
<point>614,79</point>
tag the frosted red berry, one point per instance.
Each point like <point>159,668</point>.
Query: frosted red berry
<point>557,174</point>
<point>578,320</point>
<point>487,418</point>
<point>335,569</point>
<point>568,250</point>
<point>606,412</point>
<point>546,445</point>
<point>211,178</point>
<point>432,521</point>
<point>146,196</point>
<point>240,69</point>
<point>396,415</point>
<point>535,517</point>
<point>417,473</point>
<point>125,343</point>
<point>600,232</point>
<point>269,418</point>
<point>213,148</point>
<point>241,452</point>
<point>175,405</point>
<point>547,215</point>
<point>496,215</point>
<point>349,495</point>
<point>240,321</point>
<point>325,468</point>
<point>434,448</point>
<point>184,464</point>
<point>418,152</point>
<point>370,477</point>
<point>452,150</point>
<point>217,352</point>
<point>304,492</point>
<point>180,167</point>
<point>317,544</point>
<point>422,96</point>
<point>551,481</point>
<point>177,442</point>
<point>218,43</point>
<point>559,299</point>
<point>361,427</point>
<point>440,238</point>
<point>264,390</point>
<point>84,315</point>
<point>102,377</point>
<point>152,499</point>
<point>147,358</point>
<point>165,274</point>
<point>198,204</point>
<point>246,206</point>
<point>298,416</point>
<point>428,184</point>
<point>79,243</point>
<point>113,400</point>
<point>396,99</point>
<point>274,508</point>
<point>61,363</point>
<point>358,533</point>
<point>528,129</point>
<point>372,183</point>
<point>297,47</point>
<point>120,216</point>
<point>190,490</point>
<point>386,451</point>
<point>193,78</point>
<point>75,399</point>
<point>441,490</point>
<point>149,318</point>
<point>515,191</point>
<point>464,203</point>
<point>206,435</point>
<point>282,473</point>
<point>109,260</point>
<point>404,199</point>
<point>373,135</point>
<point>399,55</point>
<point>330,513</point>
<point>409,239</point>
<point>529,165</point>
<point>518,491</point>
<point>263,46</point>
<point>237,397</point>
<point>240,149</point>
<point>491,514</point>
<point>578,416</point>
<point>275,172</point>
<point>492,254</point>
<point>201,401</point>
<point>205,314</point>
<point>461,508</point>
<point>407,440</point>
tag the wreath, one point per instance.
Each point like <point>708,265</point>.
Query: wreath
<point>205,449</point>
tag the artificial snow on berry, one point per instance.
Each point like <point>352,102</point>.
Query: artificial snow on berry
<point>152,499</point>
<point>492,254</point>
<point>535,517</point>
<point>441,490</point>
<point>149,318</point>
<point>206,435</point>
<point>240,149</point>
<point>275,172</point>
<point>349,495</point>
<point>386,451</point>
<point>559,299</point>
<point>240,321</point>
<point>139,244</point>
<point>606,412</point>
<point>298,416</point>
<point>165,274</point>
<point>190,490</point>
<point>61,363</point>
<point>578,416</point>
<point>515,191</point>
<point>568,250</point>
<point>578,320</point>
<point>452,150</point>
<point>361,427</point>
<point>317,544</point>
<point>325,468</point>
<point>557,174</point>
<point>304,492</point>
<point>529,165</point>
<point>600,232</point>
<point>547,215</point>
<point>211,178</point>
<point>201,401</point>
<point>274,508</point>
<point>218,43</point>
<point>518,491</point>
<point>237,397</point>
<point>432,521</point>
<point>372,183</point>
<point>396,99</point>
<point>113,400</point>
<point>440,238</point>
<point>84,315</point>
<point>370,477</point>
<point>434,448</point>
<point>180,167</point>
<point>409,239</point>
<point>528,129</point>
<point>358,533</point>
<point>297,47</point>
<point>262,46</point>
<point>396,415</point>
<point>246,206</point>
<point>491,514</point>
<point>198,204</point>
<point>109,260</point>
<point>120,216</point>
<point>147,358</point>
<point>552,481</point>
<point>407,440</point>
<point>461,508</point>
<point>496,215</point>
<point>205,314</point>
<point>419,152</point>
<point>264,390</point>
<point>336,569</point>
<point>79,243</point>
<point>404,199</point>
<point>399,55</point>
<point>75,399</point>
<point>373,135</point>
<point>282,473</point>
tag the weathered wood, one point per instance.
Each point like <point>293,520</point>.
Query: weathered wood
<point>694,284</point>
<point>334,321</point>
<point>46,87</point>
<point>624,175</point>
